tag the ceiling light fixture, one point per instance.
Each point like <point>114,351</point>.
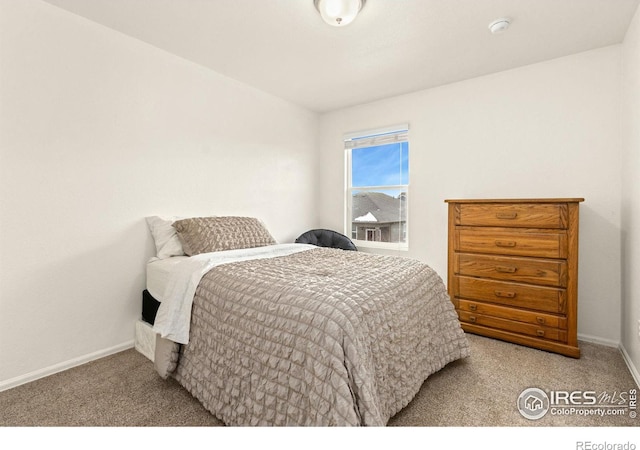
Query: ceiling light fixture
<point>499,25</point>
<point>338,13</point>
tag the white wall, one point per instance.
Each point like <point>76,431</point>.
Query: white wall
<point>98,131</point>
<point>546,130</point>
<point>631,194</point>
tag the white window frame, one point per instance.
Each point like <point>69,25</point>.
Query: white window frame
<point>370,138</point>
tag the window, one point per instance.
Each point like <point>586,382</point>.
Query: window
<point>377,197</point>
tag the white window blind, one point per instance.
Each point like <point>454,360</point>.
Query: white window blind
<point>380,136</point>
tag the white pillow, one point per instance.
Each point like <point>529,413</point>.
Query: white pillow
<point>164,235</point>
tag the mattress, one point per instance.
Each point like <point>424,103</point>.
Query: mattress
<point>158,271</point>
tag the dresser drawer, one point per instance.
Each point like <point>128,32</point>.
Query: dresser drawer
<point>537,298</point>
<point>518,315</point>
<point>527,215</point>
<point>542,332</point>
<point>500,241</point>
<point>545,272</point>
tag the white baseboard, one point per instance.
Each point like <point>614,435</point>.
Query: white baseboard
<point>615,344</point>
<point>598,340</point>
<point>32,376</point>
<point>632,368</point>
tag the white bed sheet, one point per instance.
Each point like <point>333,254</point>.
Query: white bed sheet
<point>158,271</point>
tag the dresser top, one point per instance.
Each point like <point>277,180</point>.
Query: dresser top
<point>517,200</point>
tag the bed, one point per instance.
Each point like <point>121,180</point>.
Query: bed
<point>263,333</point>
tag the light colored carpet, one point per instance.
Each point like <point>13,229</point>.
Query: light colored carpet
<point>123,390</point>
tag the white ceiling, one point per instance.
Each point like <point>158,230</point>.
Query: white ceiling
<point>393,47</point>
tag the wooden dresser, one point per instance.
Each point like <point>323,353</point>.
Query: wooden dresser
<point>513,270</point>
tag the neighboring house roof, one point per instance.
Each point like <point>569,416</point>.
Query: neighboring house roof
<point>368,217</point>
<point>376,207</point>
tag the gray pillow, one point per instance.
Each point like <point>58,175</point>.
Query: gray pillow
<point>214,234</point>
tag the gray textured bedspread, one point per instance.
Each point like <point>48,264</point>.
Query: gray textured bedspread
<point>317,338</point>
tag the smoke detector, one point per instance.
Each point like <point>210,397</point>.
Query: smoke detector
<point>499,25</point>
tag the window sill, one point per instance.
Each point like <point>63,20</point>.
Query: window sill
<point>381,245</point>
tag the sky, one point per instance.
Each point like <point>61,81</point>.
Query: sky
<point>380,165</point>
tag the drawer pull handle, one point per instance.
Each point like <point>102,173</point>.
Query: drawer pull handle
<point>506,215</point>
<point>506,269</point>
<point>505,294</point>
<point>540,320</point>
<point>540,333</point>
<point>472,319</point>
<point>505,243</point>
<point>473,307</point>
